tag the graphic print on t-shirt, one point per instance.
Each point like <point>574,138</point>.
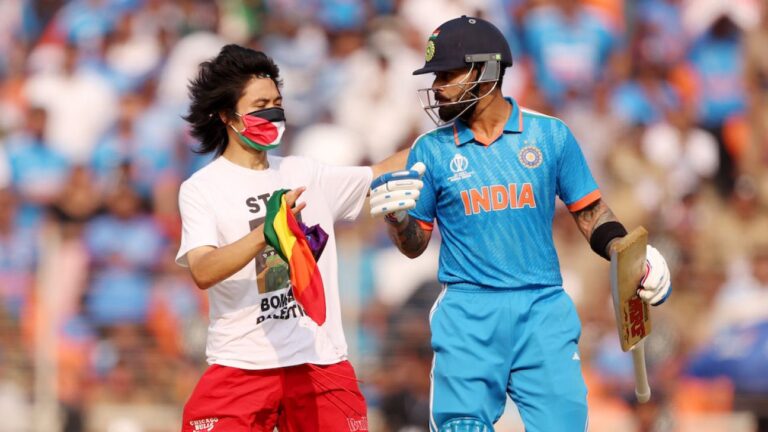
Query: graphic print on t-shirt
<point>271,271</point>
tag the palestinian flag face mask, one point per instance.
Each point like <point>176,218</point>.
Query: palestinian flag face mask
<point>263,129</point>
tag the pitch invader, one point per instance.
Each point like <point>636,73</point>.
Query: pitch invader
<point>273,360</point>
<point>492,171</point>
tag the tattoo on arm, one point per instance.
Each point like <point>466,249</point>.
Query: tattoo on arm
<point>409,237</point>
<point>592,216</point>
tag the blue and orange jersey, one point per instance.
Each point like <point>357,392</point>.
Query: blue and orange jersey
<point>494,203</point>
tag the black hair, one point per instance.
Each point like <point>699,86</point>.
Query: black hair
<point>217,88</point>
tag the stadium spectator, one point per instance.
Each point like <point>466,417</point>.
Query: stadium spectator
<point>38,170</point>
<point>570,47</point>
<point>716,59</point>
<point>80,105</point>
<point>150,161</point>
<point>124,245</point>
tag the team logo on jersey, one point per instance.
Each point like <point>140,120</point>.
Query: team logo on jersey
<point>530,156</point>
<point>205,424</point>
<point>459,166</point>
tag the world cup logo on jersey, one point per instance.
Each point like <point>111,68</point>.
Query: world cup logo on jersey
<point>530,157</point>
<point>459,163</point>
<point>459,166</point>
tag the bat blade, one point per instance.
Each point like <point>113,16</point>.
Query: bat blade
<point>632,315</point>
<point>627,268</point>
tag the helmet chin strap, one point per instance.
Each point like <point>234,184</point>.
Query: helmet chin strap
<point>489,73</point>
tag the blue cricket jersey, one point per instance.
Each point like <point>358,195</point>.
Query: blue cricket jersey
<point>494,204</point>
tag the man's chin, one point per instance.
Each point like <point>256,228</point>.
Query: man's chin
<point>446,116</point>
<point>450,113</point>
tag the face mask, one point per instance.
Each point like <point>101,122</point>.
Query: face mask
<point>263,129</point>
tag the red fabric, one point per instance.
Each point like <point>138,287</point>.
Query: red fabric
<point>304,398</point>
<point>305,275</point>
<point>260,130</point>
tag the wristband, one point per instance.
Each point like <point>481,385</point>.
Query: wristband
<point>602,236</point>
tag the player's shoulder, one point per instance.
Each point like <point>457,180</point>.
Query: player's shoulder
<point>440,135</point>
<point>528,113</point>
<point>550,127</point>
<point>435,138</point>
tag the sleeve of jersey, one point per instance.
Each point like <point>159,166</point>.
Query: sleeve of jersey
<point>575,184</point>
<point>345,189</point>
<point>425,209</point>
<point>198,223</point>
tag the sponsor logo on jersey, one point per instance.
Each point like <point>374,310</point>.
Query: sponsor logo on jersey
<point>498,198</point>
<point>459,166</point>
<point>206,424</point>
<point>530,156</point>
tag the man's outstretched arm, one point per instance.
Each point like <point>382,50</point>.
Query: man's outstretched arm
<point>392,163</point>
<point>392,195</point>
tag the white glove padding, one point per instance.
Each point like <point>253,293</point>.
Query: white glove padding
<point>395,192</point>
<point>656,285</point>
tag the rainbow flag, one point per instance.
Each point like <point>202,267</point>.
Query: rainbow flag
<point>300,247</point>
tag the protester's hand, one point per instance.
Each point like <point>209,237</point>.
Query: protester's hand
<point>292,196</point>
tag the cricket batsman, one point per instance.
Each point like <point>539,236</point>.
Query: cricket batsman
<point>275,344</point>
<point>489,177</point>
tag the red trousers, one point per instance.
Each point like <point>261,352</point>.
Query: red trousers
<point>303,398</point>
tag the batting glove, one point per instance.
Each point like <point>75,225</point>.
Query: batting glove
<point>394,193</point>
<point>656,285</point>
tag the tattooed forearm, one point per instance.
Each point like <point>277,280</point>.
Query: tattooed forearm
<point>409,237</point>
<point>592,217</point>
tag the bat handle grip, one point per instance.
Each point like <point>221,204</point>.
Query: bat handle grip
<point>642,389</point>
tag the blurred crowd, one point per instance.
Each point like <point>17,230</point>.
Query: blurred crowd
<point>668,98</point>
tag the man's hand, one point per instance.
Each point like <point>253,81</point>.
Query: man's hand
<point>291,198</point>
<point>656,285</point>
<point>392,194</point>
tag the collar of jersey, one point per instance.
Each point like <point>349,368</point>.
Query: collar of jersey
<point>462,134</point>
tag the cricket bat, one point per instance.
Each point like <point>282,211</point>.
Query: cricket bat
<point>632,314</point>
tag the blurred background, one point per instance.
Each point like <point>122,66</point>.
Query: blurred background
<point>101,331</point>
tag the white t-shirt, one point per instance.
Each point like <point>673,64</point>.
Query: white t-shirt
<point>254,321</point>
